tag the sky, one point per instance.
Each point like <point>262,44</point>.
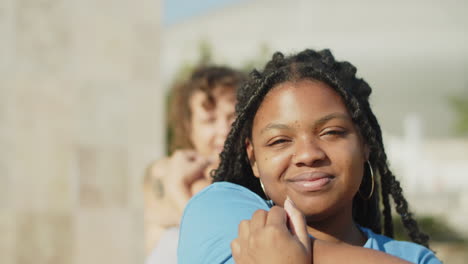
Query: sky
<point>175,11</point>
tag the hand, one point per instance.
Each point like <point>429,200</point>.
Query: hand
<point>169,184</point>
<point>277,236</point>
<point>184,168</point>
<point>200,184</point>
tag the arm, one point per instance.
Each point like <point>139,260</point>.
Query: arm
<point>157,216</point>
<point>327,252</point>
<point>167,188</point>
<point>211,220</point>
<point>269,238</point>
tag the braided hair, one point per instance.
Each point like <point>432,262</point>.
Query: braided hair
<point>341,76</point>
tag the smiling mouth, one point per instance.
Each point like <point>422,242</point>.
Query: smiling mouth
<point>311,181</point>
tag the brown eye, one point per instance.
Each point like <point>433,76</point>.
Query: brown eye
<point>278,142</point>
<point>334,133</point>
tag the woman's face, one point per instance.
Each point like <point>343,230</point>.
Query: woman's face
<point>210,125</point>
<point>304,145</point>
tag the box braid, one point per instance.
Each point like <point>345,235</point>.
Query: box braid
<point>341,76</point>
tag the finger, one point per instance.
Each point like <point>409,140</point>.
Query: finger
<point>185,154</point>
<point>193,171</point>
<point>243,232</point>
<point>182,197</point>
<point>199,185</point>
<point>277,216</point>
<point>297,223</point>
<point>258,220</point>
<point>191,154</point>
<point>196,170</point>
<point>209,170</point>
<point>235,249</point>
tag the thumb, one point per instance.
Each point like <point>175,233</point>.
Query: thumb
<point>297,223</point>
<point>196,170</point>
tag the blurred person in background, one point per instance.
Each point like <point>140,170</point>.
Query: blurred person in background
<point>200,117</point>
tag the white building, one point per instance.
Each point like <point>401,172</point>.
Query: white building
<point>433,173</point>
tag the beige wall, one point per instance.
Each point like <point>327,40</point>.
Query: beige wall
<point>80,118</point>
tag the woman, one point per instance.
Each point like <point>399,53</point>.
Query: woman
<point>201,114</point>
<point>306,140</point>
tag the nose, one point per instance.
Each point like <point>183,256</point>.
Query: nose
<point>308,153</point>
<point>223,128</point>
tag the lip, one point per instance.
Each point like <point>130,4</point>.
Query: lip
<point>310,181</point>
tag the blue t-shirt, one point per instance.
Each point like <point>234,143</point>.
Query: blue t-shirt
<point>211,219</point>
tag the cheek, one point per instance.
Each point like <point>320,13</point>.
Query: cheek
<point>273,165</point>
<point>273,170</point>
<point>202,130</point>
<point>202,136</point>
<point>351,163</point>
<point>357,173</point>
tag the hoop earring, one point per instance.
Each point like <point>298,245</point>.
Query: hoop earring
<point>372,180</point>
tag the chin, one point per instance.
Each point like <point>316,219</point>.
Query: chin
<point>315,210</point>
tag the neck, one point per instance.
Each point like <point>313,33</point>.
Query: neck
<point>339,227</point>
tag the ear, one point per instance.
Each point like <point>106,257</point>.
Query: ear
<point>251,155</point>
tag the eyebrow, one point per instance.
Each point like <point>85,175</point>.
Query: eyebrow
<point>317,123</point>
<point>329,117</point>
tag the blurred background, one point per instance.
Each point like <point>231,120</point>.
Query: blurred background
<point>84,83</point>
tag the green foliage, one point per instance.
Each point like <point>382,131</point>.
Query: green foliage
<point>459,105</point>
<point>169,130</point>
<point>205,56</point>
<point>436,228</point>
<point>258,61</point>
<point>206,53</point>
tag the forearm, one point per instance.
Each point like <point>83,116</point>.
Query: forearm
<point>157,219</point>
<point>327,252</point>
<point>153,234</point>
<point>159,214</point>
<point>164,212</point>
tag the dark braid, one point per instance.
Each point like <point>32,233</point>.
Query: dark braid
<point>341,76</point>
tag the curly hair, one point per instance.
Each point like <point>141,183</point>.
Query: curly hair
<point>341,76</point>
<point>205,78</point>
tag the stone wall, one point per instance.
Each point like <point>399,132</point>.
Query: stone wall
<point>80,118</point>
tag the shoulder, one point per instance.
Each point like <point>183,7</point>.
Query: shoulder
<point>230,192</point>
<point>408,251</point>
<point>223,200</point>
<point>211,219</point>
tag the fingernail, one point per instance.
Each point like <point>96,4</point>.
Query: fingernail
<point>288,207</point>
<point>287,203</point>
<point>290,202</point>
